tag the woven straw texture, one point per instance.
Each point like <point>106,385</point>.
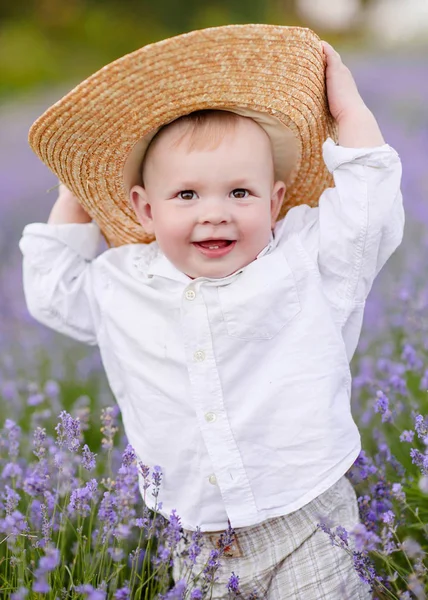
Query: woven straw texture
<point>86,137</point>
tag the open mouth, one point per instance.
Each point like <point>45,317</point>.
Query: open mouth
<point>215,248</point>
<point>214,244</point>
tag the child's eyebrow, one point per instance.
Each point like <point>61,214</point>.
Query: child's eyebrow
<point>188,184</point>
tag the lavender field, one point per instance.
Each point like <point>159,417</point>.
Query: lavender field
<point>72,525</point>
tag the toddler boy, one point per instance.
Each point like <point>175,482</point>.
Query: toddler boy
<point>227,340</point>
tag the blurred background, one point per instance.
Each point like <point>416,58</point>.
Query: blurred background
<point>48,46</point>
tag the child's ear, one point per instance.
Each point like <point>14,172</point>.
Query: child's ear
<point>277,198</point>
<point>139,201</point>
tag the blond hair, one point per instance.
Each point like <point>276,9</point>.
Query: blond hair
<point>201,129</point>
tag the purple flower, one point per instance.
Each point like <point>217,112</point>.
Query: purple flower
<point>195,547</point>
<point>177,592</point>
<point>41,585</point>
<point>364,568</point>
<point>407,436</point>
<point>14,435</point>
<point>80,498</point>
<point>196,594</point>
<point>388,517</point>
<point>173,529</point>
<point>107,512</point>
<point>51,389</point>
<point>35,399</point>
<point>50,561</point>
<point>409,354</point>
<point>68,432</point>
<point>123,593</point>
<point>233,583</point>
<point>212,566</point>
<point>364,539</point>
<point>12,471</point>
<point>420,460</point>
<point>91,593</point>
<point>20,594</point>
<point>421,427</point>
<point>128,457</point>
<point>362,468</point>
<point>88,458</point>
<point>382,406</point>
<point>157,478</point>
<point>39,441</point>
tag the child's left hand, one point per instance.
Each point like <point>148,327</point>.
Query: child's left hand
<point>342,92</point>
<point>357,125</point>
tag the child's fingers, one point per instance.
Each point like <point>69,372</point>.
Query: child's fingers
<point>333,57</point>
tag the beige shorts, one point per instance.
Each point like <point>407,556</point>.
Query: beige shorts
<point>288,557</point>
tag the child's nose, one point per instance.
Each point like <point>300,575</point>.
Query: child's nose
<point>215,212</point>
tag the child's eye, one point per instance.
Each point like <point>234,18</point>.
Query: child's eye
<point>186,192</point>
<point>240,191</point>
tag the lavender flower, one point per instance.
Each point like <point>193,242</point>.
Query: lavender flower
<point>68,432</point>
<point>47,564</point>
<point>177,592</point>
<point>382,406</point>
<point>233,583</point>
<point>420,460</point>
<point>90,592</point>
<point>407,436</point>
<point>80,498</point>
<point>123,593</point>
<point>88,458</point>
<point>20,594</point>
<point>14,436</point>
<point>156,478</point>
<point>421,428</point>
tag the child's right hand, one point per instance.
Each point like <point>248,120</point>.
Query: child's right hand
<point>66,195</point>
<point>67,208</point>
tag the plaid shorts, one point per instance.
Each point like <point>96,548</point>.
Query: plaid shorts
<point>288,557</point>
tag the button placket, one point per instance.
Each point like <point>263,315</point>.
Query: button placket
<point>207,396</point>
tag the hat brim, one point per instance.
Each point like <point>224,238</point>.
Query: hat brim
<point>94,138</point>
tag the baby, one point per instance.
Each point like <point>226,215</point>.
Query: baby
<point>227,341</point>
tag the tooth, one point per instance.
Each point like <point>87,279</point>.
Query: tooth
<point>213,247</point>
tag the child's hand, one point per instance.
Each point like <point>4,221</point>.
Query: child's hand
<point>357,125</point>
<point>342,92</point>
<point>67,208</point>
<point>66,195</point>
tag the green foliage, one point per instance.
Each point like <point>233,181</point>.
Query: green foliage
<point>50,42</point>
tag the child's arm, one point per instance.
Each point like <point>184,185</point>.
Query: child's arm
<point>359,223</point>
<point>59,277</point>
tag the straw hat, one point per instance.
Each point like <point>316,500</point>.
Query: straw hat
<point>95,137</point>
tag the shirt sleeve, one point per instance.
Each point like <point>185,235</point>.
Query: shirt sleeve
<point>58,277</point>
<point>356,227</point>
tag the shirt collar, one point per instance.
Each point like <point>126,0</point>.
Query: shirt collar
<point>162,267</point>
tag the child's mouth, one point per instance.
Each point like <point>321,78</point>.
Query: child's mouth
<point>215,248</point>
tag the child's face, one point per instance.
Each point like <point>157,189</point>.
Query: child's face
<point>205,196</point>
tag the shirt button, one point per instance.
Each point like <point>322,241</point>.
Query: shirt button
<point>190,295</point>
<point>212,479</point>
<point>199,355</point>
<point>210,417</point>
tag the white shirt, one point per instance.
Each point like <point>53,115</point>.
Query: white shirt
<point>238,387</point>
